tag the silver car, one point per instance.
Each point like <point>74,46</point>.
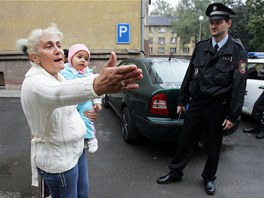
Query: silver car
<point>255,80</point>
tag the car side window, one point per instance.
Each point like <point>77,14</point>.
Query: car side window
<point>256,71</point>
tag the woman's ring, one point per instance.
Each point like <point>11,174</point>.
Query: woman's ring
<point>123,84</point>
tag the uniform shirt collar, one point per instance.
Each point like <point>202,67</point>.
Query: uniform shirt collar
<point>221,43</point>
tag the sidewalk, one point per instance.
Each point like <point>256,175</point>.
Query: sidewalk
<point>9,93</point>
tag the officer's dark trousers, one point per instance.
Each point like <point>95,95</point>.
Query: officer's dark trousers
<point>202,117</point>
<point>258,109</point>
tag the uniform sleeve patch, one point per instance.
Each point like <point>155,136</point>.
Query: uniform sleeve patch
<point>242,67</point>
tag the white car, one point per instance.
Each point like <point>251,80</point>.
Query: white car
<point>255,80</point>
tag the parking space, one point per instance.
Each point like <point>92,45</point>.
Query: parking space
<point>120,170</point>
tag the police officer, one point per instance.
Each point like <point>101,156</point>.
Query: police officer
<point>257,115</point>
<point>214,87</point>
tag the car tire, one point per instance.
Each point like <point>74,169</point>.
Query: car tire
<point>106,101</point>
<point>127,127</point>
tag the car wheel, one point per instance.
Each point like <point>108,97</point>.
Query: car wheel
<point>127,127</point>
<point>106,102</point>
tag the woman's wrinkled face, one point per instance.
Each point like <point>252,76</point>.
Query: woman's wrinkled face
<point>219,28</point>
<point>80,60</point>
<point>50,54</point>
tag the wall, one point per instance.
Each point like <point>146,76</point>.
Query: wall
<point>14,66</point>
<point>91,22</point>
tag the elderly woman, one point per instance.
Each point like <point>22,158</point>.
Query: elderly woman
<point>49,103</point>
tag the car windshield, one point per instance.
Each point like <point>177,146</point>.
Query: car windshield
<point>167,71</point>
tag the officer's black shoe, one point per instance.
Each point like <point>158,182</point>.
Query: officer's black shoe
<point>260,135</point>
<point>252,130</point>
<point>167,179</point>
<point>210,187</point>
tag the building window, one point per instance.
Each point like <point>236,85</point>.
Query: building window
<point>173,50</point>
<point>173,40</point>
<point>162,29</point>
<point>151,50</point>
<point>173,30</point>
<point>161,40</point>
<point>161,49</point>
<point>151,29</point>
<point>2,80</point>
<point>150,40</point>
<point>186,50</point>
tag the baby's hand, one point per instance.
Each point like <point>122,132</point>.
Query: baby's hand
<point>97,107</point>
<point>90,114</point>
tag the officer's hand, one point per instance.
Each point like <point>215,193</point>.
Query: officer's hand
<point>180,109</point>
<point>227,124</point>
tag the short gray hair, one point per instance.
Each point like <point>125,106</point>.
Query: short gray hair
<point>37,34</point>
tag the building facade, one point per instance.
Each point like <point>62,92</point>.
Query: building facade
<point>102,25</point>
<point>163,39</point>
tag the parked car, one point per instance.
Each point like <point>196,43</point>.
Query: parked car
<point>151,110</point>
<point>255,80</point>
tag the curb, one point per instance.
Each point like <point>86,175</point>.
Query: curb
<point>10,93</point>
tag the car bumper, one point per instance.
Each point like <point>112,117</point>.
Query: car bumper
<point>159,129</point>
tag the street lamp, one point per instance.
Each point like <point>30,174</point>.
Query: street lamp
<point>200,30</point>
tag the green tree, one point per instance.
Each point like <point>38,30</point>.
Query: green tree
<point>162,8</point>
<point>187,24</point>
<point>255,25</point>
<point>238,28</point>
<point>248,24</point>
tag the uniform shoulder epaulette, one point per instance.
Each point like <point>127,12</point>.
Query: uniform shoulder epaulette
<point>238,41</point>
<point>202,41</point>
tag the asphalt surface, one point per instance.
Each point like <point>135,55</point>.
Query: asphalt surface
<point>119,170</point>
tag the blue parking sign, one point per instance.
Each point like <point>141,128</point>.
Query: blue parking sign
<point>123,33</point>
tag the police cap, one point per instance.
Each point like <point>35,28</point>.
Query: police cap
<point>218,11</point>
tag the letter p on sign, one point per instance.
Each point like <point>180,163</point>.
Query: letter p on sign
<point>123,33</point>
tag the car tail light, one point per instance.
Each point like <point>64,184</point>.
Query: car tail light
<point>159,105</point>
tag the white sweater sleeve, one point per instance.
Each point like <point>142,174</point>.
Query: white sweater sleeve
<point>53,94</point>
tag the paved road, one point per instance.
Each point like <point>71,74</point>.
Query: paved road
<point>119,170</point>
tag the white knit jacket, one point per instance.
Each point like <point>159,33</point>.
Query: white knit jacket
<point>50,108</point>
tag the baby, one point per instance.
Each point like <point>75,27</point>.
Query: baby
<point>77,67</point>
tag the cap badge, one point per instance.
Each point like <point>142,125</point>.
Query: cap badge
<point>215,8</point>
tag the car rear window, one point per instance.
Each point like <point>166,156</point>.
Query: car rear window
<point>167,71</point>
<point>255,71</point>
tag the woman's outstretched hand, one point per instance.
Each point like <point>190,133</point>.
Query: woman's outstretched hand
<point>113,79</point>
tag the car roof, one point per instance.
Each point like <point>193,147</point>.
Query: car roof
<point>255,57</point>
<point>146,59</point>
<point>255,54</point>
<point>256,60</point>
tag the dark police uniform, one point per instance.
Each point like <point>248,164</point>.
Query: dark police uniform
<point>258,108</point>
<point>257,115</point>
<point>214,87</point>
